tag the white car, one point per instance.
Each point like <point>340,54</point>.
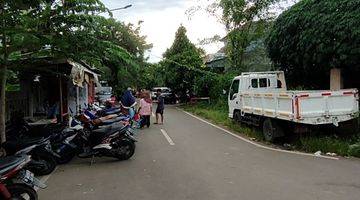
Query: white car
<point>164,91</point>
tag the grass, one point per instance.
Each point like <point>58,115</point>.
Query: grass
<point>217,113</point>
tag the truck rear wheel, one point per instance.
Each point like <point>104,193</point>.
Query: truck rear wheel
<point>272,130</point>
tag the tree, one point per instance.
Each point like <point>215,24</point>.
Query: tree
<point>246,21</point>
<point>314,36</point>
<point>181,61</point>
<point>66,29</point>
<point>124,74</point>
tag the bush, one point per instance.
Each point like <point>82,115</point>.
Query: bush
<point>314,36</point>
<point>354,150</point>
<point>324,144</point>
<point>213,85</point>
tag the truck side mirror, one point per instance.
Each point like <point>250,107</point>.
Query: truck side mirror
<point>233,96</point>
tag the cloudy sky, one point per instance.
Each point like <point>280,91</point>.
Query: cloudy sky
<point>163,17</point>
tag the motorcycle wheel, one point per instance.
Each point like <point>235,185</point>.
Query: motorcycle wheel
<point>22,192</point>
<point>125,150</point>
<point>66,158</point>
<point>48,161</point>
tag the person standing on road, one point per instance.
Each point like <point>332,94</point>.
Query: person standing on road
<point>145,109</point>
<point>160,107</point>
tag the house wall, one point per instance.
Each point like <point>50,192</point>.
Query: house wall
<point>77,97</point>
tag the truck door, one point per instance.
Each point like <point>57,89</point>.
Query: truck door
<point>234,98</point>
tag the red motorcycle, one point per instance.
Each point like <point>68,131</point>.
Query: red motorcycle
<point>15,182</point>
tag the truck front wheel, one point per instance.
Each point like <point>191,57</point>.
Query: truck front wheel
<point>272,130</point>
<point>237,116</point>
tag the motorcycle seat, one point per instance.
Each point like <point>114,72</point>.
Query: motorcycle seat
<point>113,127</point>
<point>118,127</point>
<point>31,141</point>
<point>102,130</point>
<point>110,121</point>
<point>114,111</point>
<point>9,162</point>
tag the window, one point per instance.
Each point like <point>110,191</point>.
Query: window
<point>234,89</point>
<point>254,83</point>
<point>263,82</point>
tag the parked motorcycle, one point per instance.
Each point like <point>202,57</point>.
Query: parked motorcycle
<point>67,144</point>
<point>91,121</point>
<point>112,141</point>
<point>43,160</point>
<point>15,182</point>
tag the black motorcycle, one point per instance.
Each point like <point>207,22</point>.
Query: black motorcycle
<point>115,141</point>
<point>67,144</point>
<point>43,160</point>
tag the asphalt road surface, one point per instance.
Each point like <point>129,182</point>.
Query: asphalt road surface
<point>189,159</point>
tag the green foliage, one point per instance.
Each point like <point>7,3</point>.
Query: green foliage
<point>354,150</point>
<point>246,21</point>
<point>182,61</point>
<point>74,31</point>
<point>217,112</point>
<point>69,29</point>
<point>314,36</point>
<point>151,76</point>
<point>324,144</point>
<point>213,85</point>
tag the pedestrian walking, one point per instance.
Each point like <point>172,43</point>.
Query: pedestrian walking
<point>145,109</point>
<point>159,108</point>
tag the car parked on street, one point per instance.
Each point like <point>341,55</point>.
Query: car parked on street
<point>169,96</point>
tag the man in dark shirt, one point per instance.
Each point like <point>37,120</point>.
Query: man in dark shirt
<point>160,107</point>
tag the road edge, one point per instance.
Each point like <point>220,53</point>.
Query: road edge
<point>255,143</point>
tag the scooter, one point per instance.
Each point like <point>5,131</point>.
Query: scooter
<point>15,182</point>
<point>112,141</point>
<point>43,160</point>
<point>67,144</point>
<point>91,121</point>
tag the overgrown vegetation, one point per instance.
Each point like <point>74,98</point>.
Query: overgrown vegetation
<point>314,36</point>
<point>71,29</point>
<point>217,112</point>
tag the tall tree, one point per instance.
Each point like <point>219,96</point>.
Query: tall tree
<point>246,21</point>
<point>180,62</point>
<point>314,36</point>
<point>70,29</point>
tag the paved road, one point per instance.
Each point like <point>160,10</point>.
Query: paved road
<point>204,164</point>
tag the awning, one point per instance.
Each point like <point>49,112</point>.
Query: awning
<point>79,74</point>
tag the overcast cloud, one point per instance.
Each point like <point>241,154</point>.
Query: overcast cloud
<point>163,17</point>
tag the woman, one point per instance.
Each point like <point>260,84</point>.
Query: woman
<point>145,109</point>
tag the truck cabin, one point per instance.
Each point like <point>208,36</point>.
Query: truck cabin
<point>258,81</point>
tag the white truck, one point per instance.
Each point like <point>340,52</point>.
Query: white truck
<point>262,98</point>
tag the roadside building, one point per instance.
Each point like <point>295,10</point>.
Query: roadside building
<point>49,88</point>
<point>217,62</point>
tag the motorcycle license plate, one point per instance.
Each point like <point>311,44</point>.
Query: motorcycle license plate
<point>28,178</point>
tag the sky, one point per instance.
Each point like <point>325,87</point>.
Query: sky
<point>163,17</point>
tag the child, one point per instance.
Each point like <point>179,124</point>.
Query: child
<point>145,109</point>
